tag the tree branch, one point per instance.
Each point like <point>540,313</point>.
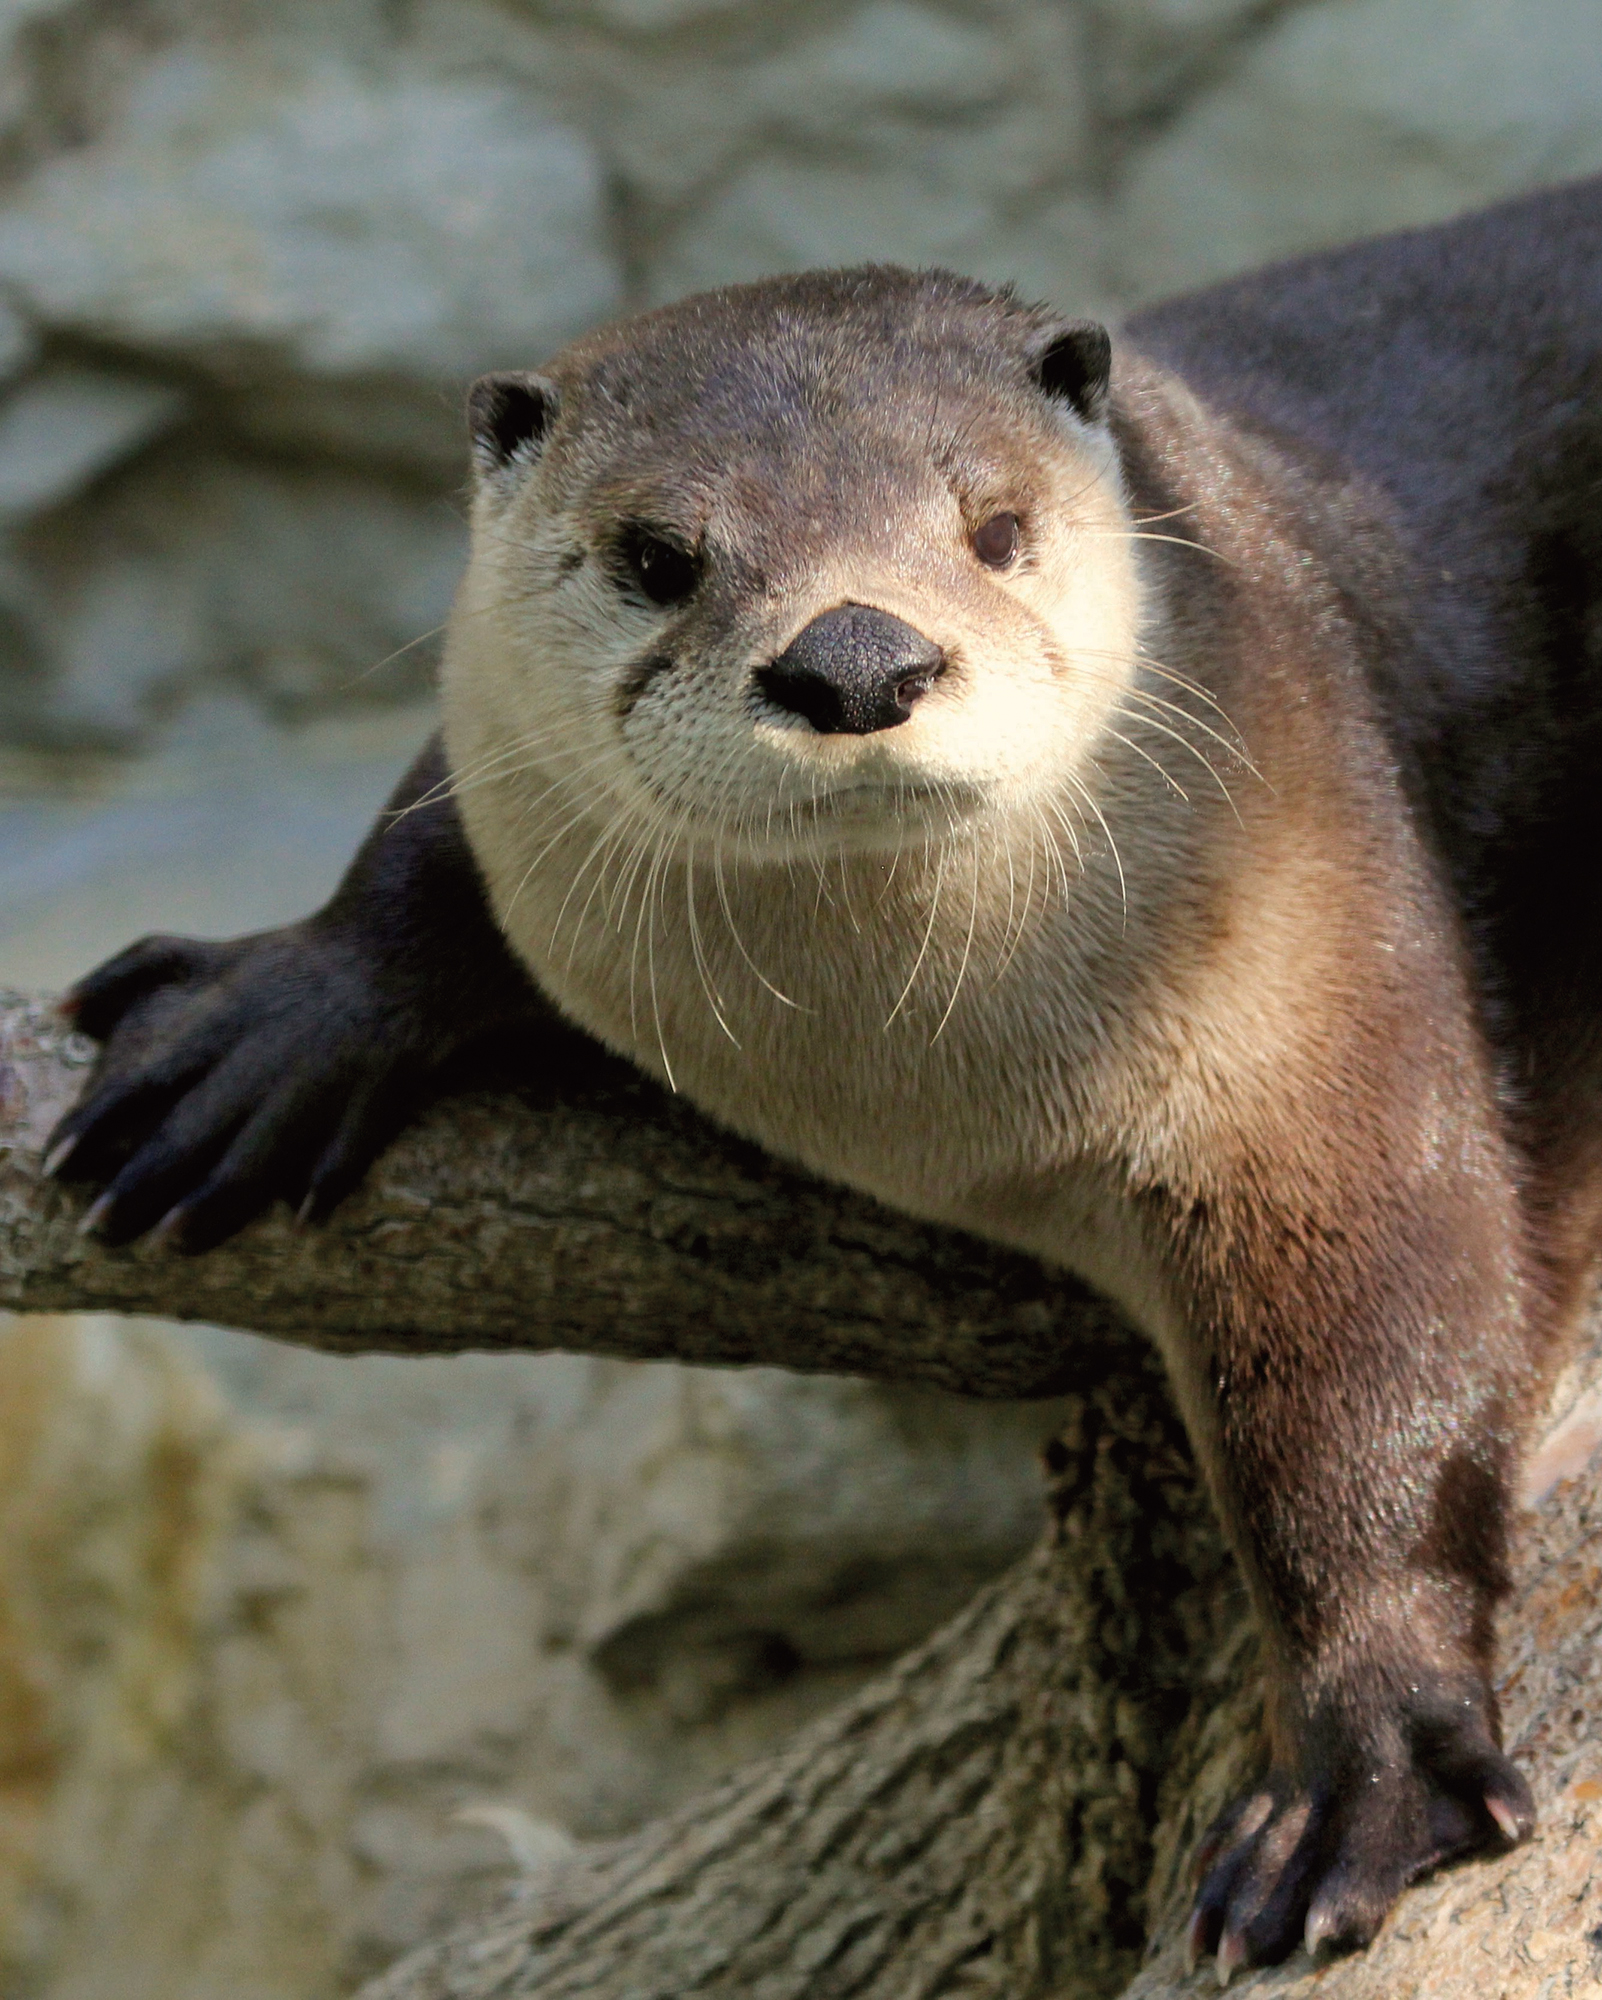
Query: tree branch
<point>615,1221</point>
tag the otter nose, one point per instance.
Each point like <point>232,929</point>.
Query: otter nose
<point>852,671</point>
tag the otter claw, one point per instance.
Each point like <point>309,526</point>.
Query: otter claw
<point>1320,1928</point>
<point>1231,1956</point>
<point>169,1231</point>
<point>58,1156</point>
<point>95,1214</point>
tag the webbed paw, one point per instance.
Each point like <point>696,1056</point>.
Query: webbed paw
<point>1317,1857</point>
<point>231,1075</point>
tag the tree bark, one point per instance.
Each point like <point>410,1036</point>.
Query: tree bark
<point>614,1221</point>
<point>1013,1808</point>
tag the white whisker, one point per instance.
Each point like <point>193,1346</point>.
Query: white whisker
<point>967,948</point>
<point>708,986</point>
<point>928,933</point>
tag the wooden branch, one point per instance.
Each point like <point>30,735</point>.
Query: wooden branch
<point>614,1222</point>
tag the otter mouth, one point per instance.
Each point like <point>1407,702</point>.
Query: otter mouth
<point>878,813</point>
<point>877,799</point>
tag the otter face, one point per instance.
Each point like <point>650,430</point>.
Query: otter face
<point>824,562</point>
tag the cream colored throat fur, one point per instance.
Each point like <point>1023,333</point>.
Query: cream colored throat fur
<point>916,960</point>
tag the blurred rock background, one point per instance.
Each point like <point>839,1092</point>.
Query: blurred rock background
<point>297,1654</point>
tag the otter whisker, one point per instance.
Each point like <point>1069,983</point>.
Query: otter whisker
<point>967,945</point>
<point>1083,791</point>
<point>1011,941</point>
<point>1140,535</point>
<point>654,887</point>
<point>454,781</point>
<point>389,659</point>
<point>739,943</point>
<point>1146,520</point>
<point>588,801</point>
<point>609,848</point>
<point>928,933</point>
<point>1234,742</point>
<point>708,986</point>
<point>1162,770</point>
<point>606,836</point>
<point>1055,852</point>
<point>1151,722</point>
<point>625,893</point>
<point>1149,700</point>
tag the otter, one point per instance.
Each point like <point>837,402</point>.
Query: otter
<point>1132,800</point>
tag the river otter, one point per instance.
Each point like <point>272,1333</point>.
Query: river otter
<point>1139,805</point>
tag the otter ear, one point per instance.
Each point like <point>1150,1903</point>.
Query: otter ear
<point>509,416</point>
<point>1074,365</point>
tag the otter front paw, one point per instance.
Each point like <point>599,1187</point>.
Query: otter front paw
<point>1317,1855</point>
<point>233,1074</point>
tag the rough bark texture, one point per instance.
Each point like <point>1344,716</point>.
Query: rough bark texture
<point>1013,1807</point>
<point>613,1222</point>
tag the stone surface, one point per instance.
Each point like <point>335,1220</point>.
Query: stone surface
<point>1354,116</point>
<point>304,582</point>
<point>255,204</point>
<point>67,425</point>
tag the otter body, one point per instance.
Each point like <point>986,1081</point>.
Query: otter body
<point>1134,807</point>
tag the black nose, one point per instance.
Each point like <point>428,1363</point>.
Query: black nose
<point>851,671</point>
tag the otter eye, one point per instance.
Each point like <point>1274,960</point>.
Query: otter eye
<point>996,543</point>
<point>660,570</point>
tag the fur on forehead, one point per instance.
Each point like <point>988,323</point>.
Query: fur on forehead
<point>757,366</point>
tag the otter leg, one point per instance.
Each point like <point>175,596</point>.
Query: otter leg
<point>280,1064</point>
<point>1355,1377</point>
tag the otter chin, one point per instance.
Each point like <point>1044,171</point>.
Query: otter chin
<point>1127,799</point>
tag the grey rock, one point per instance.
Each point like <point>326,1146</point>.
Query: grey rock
<point>888,56</point>
<point>785,214</point>
<point>19,343</point>
<point>895,133</point>
<point>309,584</point>
<point>252,203</point>
<point>1353,116</point>
<point>654,16</point>
<point>1151,54</point>
<point>65,425</point>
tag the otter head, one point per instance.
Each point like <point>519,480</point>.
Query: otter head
<point>822,562</point>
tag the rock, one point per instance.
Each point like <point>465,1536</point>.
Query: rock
<point>306,583</point>
<point>782,216</point>
<point>19,344</point>
<point>1058,253</point>
<point>890,57</point>
<point>256,209</point>
<point>1352,116</point>
<point>652,16</point>
<point>67,424</point>
<point>896,133</point>
<point>1150,53</point>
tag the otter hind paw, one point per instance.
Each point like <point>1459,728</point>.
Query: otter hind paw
<point>1318,1861</point>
